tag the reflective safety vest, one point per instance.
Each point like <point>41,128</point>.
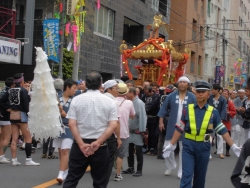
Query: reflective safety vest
<point>194,135</point>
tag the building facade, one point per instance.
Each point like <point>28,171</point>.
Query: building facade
<point>216,12</point>
<point>239,39</point>
<point>187,18</point>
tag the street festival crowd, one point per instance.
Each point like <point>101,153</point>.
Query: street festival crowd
<point>106,123</point>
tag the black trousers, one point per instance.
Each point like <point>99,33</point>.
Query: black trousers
<point>161,141</point>
<point>153,132</point>
<point>78,163</point>
<point>139,156</point>
<point>227,146</point>
<point>48,144</point>
<point>112,145</point>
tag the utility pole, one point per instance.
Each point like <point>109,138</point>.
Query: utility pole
<point>60,74</point>
<point>224,50</point>
<point>77,57</point>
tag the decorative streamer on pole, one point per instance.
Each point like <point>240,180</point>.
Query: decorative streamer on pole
<point>98,4</point>
<point>74,29</point>
<point>67,31</point>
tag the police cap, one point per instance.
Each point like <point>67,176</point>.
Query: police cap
<point>202,85</point>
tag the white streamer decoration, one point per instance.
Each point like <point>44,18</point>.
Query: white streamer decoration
<point>44,115</point>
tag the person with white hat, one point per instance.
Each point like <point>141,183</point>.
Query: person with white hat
<point>126,109</point>
<point>114,141</point>
<point>172,107</point>
<point>198,120</point>
<point>237,122</point>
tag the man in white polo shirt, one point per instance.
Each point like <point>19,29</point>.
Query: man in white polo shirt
<point>92,120</point>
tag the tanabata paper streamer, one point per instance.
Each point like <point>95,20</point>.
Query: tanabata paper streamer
<point>67,31</point>
<point>57,15</point>
<point>44,115</point>
<point>61,7</point>
<point>98,4</point>
<point>74,29</point>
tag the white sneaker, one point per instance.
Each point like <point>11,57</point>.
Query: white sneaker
<point>65,174</point>
<point>168,172</point>
<point>7,158</point>
<point>3,160</point>
<point>15,162</point>
<point>29,162</point>
<point>60,178</point>
<point>118,177</point>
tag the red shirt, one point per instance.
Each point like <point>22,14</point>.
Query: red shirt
<point>231,112</point>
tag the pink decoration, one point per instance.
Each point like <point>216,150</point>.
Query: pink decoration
<point>74,29</point>
<point>67,31</point>
<point>98,4</point>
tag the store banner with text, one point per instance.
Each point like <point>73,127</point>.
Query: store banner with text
<point>217,75</point>
<point>51,38</point>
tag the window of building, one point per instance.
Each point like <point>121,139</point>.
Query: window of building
<point>199,67</point>
<point>132,32</point>
<point>143,1</point>
<point>209,8</point>
<point>194,33</point>
<point>192,64</point>
<point>104,22</point>
<point>207,32</point>
<point>163,7</point>
<point>195,4</point>
<point>212,8</point>
<point>155,5</point>
<point>239,43</point>
<point>201,36</point>
<point>206,63</point>
<point>217,38</point>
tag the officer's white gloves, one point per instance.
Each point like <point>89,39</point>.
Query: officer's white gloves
<point>236,150</point>
<point>167,150</point>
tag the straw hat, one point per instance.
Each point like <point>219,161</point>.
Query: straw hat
<point>122,89</point>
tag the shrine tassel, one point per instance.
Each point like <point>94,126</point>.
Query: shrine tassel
<point>170,66</point>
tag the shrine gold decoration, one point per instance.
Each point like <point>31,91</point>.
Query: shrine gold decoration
<point>158,51</point>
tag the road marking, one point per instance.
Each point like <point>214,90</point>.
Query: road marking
<point>47,184</point>
<point>52,182</point>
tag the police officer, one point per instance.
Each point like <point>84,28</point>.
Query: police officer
<point>198,120</point>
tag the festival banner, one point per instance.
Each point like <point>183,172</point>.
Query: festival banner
<point>231,78</point>
<point>243,80</point>
<point>217,75</point>
<point>51,38</point>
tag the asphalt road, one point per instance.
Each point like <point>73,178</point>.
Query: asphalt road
<point>218,175</point>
